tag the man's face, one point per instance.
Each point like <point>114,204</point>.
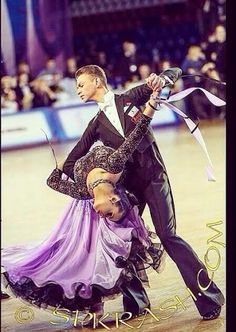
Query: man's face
<point>86,87</point>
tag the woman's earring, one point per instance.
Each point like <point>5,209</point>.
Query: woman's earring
<point>113,200</point>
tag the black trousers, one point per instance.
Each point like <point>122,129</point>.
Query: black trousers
<point>135,298</point>
<point>155,190</point>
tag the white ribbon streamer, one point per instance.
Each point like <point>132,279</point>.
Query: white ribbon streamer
<point>191,125</point>
<point>212,98</point>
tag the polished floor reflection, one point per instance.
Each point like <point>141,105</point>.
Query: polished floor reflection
<point>30,209</point>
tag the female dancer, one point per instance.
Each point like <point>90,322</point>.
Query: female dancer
<point>100,246</point>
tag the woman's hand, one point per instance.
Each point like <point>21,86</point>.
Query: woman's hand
<point>155,95</point>
<point>152,104</point>
<point>155,82</point>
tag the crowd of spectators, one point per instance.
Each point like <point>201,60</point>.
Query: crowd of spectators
<point>129,67</point>
<point>50,87</point>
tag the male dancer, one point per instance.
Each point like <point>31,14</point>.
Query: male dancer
<point>146,177</point>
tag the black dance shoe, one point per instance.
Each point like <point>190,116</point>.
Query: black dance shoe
<point>215,313</point>
<point>4,296</point>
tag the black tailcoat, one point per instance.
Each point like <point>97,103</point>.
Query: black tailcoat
<point>147,178</point>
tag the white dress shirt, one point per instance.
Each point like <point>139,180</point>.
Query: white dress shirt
<point>110,110</point>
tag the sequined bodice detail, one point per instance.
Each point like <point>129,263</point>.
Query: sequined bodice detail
<point>112,161</point>
<point>98,157</point>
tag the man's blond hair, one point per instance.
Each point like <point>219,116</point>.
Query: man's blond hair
<point>94,71</point>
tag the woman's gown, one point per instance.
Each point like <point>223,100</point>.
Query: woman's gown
<point>86,257</point>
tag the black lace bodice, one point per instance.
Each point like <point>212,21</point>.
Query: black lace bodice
<point>112,161</point>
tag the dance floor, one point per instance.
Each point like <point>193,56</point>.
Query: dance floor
<point>30,209</point>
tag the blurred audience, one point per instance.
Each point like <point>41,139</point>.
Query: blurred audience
<point>9,102</point>
<point>67,83</point>
<point>215,49</point>
<point>214,12</point>
<point>60,93</point>
<point>196,104</point>
<point>128,63</point>
<point>71,67</point>
<point>126,67</point>
<point>23,91</point>
<point>143,71</point>
<point>193,60</point>
<point>195,63</point>
<point>50,68</point>
<point>42,94</point>
<point>23,68</point>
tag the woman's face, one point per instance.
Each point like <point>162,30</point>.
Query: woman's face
<point>106,207</point>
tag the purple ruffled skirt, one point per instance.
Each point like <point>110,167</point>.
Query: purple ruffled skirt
<point>77,265</point>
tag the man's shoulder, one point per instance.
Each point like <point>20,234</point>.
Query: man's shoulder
<point>136,86</point>
<point>96,117</point>
<point>122,98</point>
<point>127,93</point>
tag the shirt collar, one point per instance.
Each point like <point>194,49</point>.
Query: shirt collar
<point>108,99</point>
